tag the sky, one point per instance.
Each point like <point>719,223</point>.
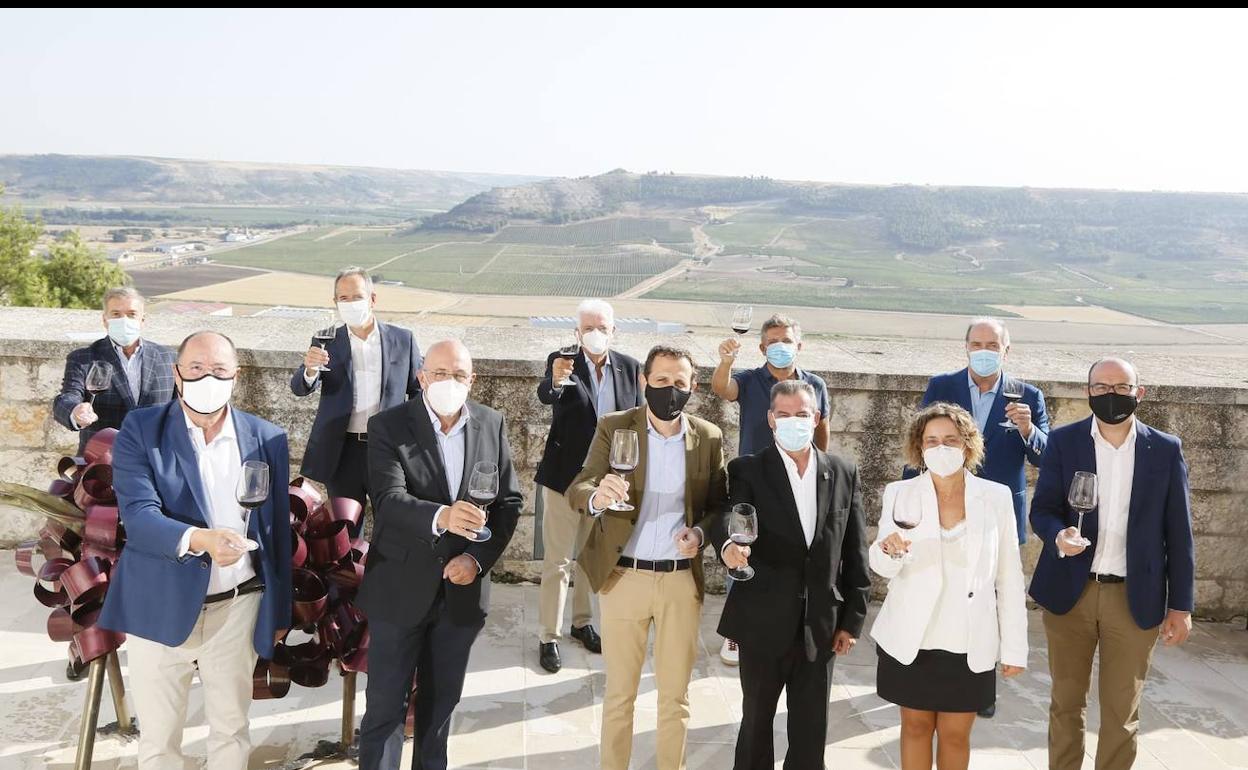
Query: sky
<point>1144,100</point>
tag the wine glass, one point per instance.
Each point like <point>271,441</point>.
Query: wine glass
<point>742,530</point>
<point>251,492</point>
<point>482,490</point>
<point>99,377</point>
<point>326,334</point>
<point>1082,498</point>
<point>906,519</point>
<point>1012,392</point>
<point>741,318</point>
<point>568,352</point>
<point>625,454</point>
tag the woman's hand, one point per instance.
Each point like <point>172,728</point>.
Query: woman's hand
<point>895,545</point>
<point>1008,672</point>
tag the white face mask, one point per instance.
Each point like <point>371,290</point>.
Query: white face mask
<point>447,397</point>
<point>124,331</point>
<point>354,314</point>
<point>595,342</point>
<point>794,434</point>
<point>944,460</point>
<point>208,394</point>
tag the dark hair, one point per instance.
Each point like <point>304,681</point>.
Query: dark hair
<point>202,332</point>
<point>668,351</point>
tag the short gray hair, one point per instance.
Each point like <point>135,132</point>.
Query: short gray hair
<point>347,272</point>
<point>119,292</point>
<point>987,320</point>
<point>779,321</point>
<point>595,307</point>
<point>792,388</point>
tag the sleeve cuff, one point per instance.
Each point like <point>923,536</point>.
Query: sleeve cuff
<point>594,510</point>
<point>184,544</point>
<point>438,532</point>
<point>474,561</point>
<point>310,380</point>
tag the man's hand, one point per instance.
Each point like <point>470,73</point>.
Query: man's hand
<point>1068,542</point>
<point>1008,672</point>
<point>461,570</point>
<point>84,415</point>
<point>728,350</point>
<point>736,556</point>
<point>1176,627</point>
<point>843,642</point>
<point>612,489</point>
<point>315,357</point>
<point>1020,414</point>
<point>688,543</point>
<point>560,370</point>
<point>223,546</point>
<point>462,518</point>
<point>895,545</point>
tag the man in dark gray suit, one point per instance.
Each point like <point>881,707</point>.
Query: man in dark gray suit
<point>427,584</point>
<point>142,371</point>
<point>372,366</point>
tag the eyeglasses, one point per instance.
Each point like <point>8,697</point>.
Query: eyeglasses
<point>463,378</point>
<point>1101,388</point>
<point>195,371</point>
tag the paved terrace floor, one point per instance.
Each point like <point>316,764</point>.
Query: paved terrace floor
<point>515,715</point>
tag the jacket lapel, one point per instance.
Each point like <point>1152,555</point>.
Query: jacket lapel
<point>1085,460</point>
<point>617,382</point>
<point>1143,467</point>
<point>427,444</point>
<point>121,383</point>
<point>341,356</point>
<point>147,372</point>
<point>249,449</point>
<point>178,438</point>
<point>637,484</point>
<point>962,392</point>
<point>778,477</point>
<point>383,331</point>
<point>693,460</point>
<point>823,494</point>
<point>996,412</point>
<point>472,445</point>
<point>975,521</point>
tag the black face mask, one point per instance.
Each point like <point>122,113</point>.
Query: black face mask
<point>1112,408</point>
<point>667,403</point>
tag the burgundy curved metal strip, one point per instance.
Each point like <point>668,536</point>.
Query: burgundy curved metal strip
<point>95,487</point>
<point>329,545</point>
<point>269,680</point>
<point>99,448</point>
<point>68,469</point>
<point>86,614</point>
<point>95,642</point>
<point>310,597</point>
<point>346,509</point>
<point>50,572</point>
<point>61,626</point>
<point>24,558</point>
<point>303,503</point>
<point>357,660</point>
<point>347,574</point>
<point>298,550</point>
<point>107,554</point>
<point>62,536</point>
<point>86,581</point>
<point>103,526</point>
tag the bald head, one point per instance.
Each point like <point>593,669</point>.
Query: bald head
<point>452,355</point>
<point>208,345</point>
<point>1113,371</point>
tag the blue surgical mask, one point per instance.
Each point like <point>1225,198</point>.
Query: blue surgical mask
<point>794,434</point>
<point>781,354</point>
<point>985,363</point>
<point>124,331</point>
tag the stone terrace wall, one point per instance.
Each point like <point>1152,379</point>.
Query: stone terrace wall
<point>868,410</point>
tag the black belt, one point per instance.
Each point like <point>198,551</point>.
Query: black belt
<point>358,436</point>
<point>666,565</point>
<point>1099,578</point>
<point>249,586</point>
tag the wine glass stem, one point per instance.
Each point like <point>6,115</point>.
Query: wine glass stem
<point>1079,524</point>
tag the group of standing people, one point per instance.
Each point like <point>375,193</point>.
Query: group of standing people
<point>202,587</point>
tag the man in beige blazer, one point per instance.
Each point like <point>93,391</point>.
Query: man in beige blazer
<point>644,563</point>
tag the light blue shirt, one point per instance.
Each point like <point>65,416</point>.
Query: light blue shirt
<point>981,406</point>
<point>603,392</point>
<point>662,512</point>
<point>133,367</point>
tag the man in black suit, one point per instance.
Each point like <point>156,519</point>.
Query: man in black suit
<point>427,584</point>
<point>142,370</point>
<point>808,599</point>
<point>580,389</point>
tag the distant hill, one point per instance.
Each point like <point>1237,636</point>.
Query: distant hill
<point>140,180</point>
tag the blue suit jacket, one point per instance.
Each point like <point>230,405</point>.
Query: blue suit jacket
<point>1005,453</point>
<point>154,594</point>
<point>112,405</point>
<point>400,361</point>
<point>1161,557</point>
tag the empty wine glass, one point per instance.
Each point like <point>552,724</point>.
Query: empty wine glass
<point>742,530</point>
<point>1082,497</point>
<point>625,455</point>
<point>99,377</point>
<point>483,490</point>
<point>1012,392</point>
<point>251,492</point>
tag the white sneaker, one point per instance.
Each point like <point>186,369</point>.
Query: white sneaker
<point>728,653</point>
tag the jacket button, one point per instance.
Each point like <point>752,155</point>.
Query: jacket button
<point>634,521</point>
<point>619,549</point>
<point>441,560</point>
<point>203,565</point>
<point>971,594</point>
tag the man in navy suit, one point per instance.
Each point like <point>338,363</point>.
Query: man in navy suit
<point>201,585</point>
<point>142,370</point>
<point>372,366</point>
<point>1129,570</point>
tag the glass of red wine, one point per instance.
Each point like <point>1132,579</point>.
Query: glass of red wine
<point>625,455</point>
<point>1012,391</point>
<point>906,520</point>
<point>482,491</point>
<point>252,491</point>
<point>742,530</point>
<point>741,318</point>
<point>567,352</point>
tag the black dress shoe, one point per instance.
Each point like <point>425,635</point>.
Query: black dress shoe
<point>550,657</point>
<point>587,636</point>
<point>989,712</point>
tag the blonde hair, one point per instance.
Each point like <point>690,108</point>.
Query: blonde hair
<point>972,440</point>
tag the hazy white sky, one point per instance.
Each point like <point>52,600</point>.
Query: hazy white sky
<point>1138,100</point>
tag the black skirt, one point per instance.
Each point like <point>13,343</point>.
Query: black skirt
<point>936,681</point>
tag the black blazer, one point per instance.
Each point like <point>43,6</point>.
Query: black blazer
<point>407,481</point>
<point>765,613</point>
<point>576,415</point>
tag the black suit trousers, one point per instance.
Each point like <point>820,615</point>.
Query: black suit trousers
<point>351,477</point>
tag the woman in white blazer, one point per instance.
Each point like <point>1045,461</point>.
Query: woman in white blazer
<point>955,604</point>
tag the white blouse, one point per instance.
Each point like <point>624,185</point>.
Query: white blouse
<point>949,624</point>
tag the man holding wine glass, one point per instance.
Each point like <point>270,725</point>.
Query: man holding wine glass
<point>439,469</point>
<point>643,554</point>
<point>584,380</point>
<point>116,374</point>
<point>797,520</point>
<point>1118,566</point>
<point>361,368</point>
<point>204,582</point>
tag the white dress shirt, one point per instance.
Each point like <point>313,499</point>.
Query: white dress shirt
<point>133,367</point>
<point>1115,471</point>
<point>805,491</point>
<point>220,466</point>
<point>366,363</point>
<point>662,510</point>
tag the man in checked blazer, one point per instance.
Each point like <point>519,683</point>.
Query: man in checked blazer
<point>142,371</point>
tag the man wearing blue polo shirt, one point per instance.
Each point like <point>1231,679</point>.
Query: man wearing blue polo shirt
<point>751,389</point>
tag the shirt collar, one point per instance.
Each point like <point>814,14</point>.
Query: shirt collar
<point>791,464</point>
<point>974,386</point>
<point>798,374</point>
<point>1097,438</point>
<point>121,353</point>
<point>373,336</point>
<point>227,427</point>
<point>459,425</point>
<point>684,424</point>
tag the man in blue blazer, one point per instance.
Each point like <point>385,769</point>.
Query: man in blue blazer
<point>1112,582</point>
<point>142,370</point>
<point>373,366</point>
<point>201,585</point>
<point>1014,434</point>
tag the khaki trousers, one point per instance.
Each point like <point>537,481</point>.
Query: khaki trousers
<point>564,532</point>
<point>1101,618</point>
<point>160,681</point>
<point>630,602</point>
